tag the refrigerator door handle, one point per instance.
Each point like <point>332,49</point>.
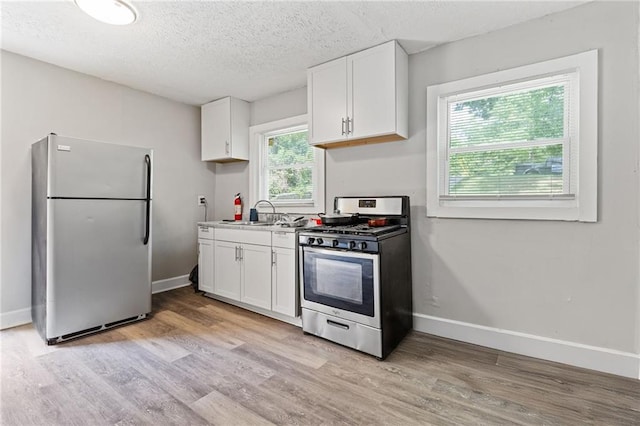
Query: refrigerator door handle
<point>147,160</point>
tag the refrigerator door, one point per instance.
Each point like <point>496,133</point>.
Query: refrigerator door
<point>99,270</point>
<point>87,169</point>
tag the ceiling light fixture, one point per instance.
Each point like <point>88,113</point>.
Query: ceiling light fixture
<point>114,12</point>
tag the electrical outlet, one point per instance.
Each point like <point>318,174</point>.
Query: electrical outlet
<point>201,200</point>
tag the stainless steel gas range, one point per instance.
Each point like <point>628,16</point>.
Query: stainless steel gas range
<point>355,279</point>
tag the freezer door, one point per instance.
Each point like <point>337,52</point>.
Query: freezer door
<point>98,269</point>
<point>87,169</point>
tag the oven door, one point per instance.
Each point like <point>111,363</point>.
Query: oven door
<point>343,284</point>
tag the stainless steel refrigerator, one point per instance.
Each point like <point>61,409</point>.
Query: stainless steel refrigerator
<point>91,236</point>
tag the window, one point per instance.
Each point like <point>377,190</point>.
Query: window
<point>515,144</point>
<point>285,169</point>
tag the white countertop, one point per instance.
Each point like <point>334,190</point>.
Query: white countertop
<point>231,225</point>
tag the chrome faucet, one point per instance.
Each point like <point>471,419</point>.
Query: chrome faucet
<point>253,213</point>
<point>265,201</point>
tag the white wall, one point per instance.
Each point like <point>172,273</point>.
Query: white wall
<point>39,98</point>
<point>575,282</point>
<point>232,178</point>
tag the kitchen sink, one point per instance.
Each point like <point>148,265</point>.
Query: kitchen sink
<point>246,223</point>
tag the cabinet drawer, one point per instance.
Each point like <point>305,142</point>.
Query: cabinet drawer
<point>283,239</point>
<point>206,232</point>
<point>262,238</point>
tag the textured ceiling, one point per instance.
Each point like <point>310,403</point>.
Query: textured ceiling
<point>197,51</point>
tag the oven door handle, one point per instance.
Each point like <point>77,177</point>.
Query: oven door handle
<point>339,253</point>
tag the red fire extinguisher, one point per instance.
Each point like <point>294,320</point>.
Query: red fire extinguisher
<point>237,205</point>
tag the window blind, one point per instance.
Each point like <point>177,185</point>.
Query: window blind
<point>509,141</point>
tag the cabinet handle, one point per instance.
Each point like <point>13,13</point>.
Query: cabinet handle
<point>237,255</point>
<point>226,147</point>
<point>273,257</point>
<point>343,132</point>
<point>241,250</point>
<point>349,128</point>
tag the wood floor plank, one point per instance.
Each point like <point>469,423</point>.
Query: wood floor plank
<point>154,403</point>
<point>83,396</point>
<point>526,390</point>
<point>219,409</point>
<point>153,339</point>
<point>201,361</point>
<point>299,354</point>
<point>227,365</point>
<point>269,327</point>
<point>570,375</point>
<point>161,373</point>
<point>223,340</point>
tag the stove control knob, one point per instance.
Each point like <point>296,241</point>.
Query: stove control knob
<point>334,243</point>
<point>319,241</point>
<point>311,240</point>
<point>352,245</point>
<point>362,245</point>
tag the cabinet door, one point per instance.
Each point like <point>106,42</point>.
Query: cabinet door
<point>256,279</point>
<point>283,282</point>
<point>205,265</point>
<point>327,101</point>
<point>227,274</point>
<point>372,91</point>
<point>216,130</point>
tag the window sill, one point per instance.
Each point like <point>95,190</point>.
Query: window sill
<point>557,209</point>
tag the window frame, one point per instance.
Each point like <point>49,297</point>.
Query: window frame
<point>257,158</point>
<point>581,205</point>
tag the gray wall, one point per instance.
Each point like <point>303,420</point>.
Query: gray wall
<point>232,178</point>
<point>38,98</point>
<point>576,282</point>
<point>571,281</point>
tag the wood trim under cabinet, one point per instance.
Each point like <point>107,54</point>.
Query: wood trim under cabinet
<point>364,141</point>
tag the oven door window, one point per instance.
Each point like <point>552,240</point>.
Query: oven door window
<point>339,280</point>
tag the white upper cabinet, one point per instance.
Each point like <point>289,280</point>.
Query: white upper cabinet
<point>361,98</point>
<point>326,97</point>
<point>225,130</point>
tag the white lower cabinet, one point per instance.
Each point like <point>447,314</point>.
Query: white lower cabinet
<point>228,272</point>
<point>255,282</point>
<point>205,265</point>
<point>284,291</point>
<point>205,258</point>
<point>257,268</point>
<point>243,272</point>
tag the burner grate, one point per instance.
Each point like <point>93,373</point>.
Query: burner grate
<point>359,229</point>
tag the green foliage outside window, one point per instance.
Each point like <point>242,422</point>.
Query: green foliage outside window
<point>518,117</point>
<point>290,161</point>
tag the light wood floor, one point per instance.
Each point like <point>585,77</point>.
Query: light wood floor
<point>199,361</point>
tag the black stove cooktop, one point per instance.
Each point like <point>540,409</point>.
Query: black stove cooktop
<point>357,229</point>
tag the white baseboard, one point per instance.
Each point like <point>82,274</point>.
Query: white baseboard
<point>170,284</point>
<point>592,357</point>
<point>15,318</point>
<point>23,316</point>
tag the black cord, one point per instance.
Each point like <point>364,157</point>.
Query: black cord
<point>206,207</point>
